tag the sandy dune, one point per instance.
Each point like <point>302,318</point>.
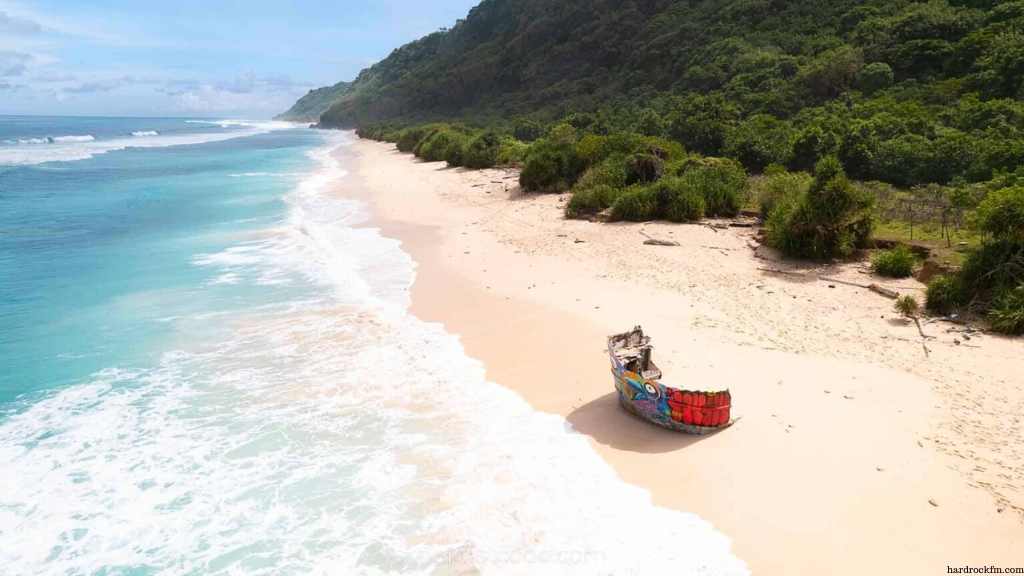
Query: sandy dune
<point>855,453</point>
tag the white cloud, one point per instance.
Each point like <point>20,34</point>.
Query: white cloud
<point>18,26</point>
<point>13,63</point>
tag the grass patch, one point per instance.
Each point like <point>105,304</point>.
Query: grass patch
<point>895,263</point>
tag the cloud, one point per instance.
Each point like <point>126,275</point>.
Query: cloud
<point>8,87</point>
<point>13,63</point>
<point>18,26</point>
<point>246,92</point>
<point>94,86</point>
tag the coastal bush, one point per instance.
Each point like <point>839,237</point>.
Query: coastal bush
<point>831,219</point>
<point>636,204</point>
<point>1001,214</point>
<point>722,183</point>
<point>1007,312</point>
<point>686,205</point>
<point>455,153</point>
<point>482,151</point>
<point>943,295</point>
<point>991,269</point>
<point>591,200</point>
<point>780,184</point>
<point>643,168</point>
<point>611,172</point>
<point>434,146</point>
<point>907,306</point>
<point>550,166</point>
<point>409,138</point>
<point>895,263</point>
<point>527,130</point>
<point>511,152</point>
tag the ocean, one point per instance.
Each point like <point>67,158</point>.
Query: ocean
<point>209,367</point>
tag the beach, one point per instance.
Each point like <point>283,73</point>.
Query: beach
<point>856,449</point>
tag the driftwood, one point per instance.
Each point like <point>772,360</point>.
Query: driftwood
<point>651,241</point>
<point>887,292</point>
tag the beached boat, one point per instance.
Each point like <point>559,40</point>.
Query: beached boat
<point>638,381</point>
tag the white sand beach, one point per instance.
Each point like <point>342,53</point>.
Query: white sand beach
<point>855,453</point>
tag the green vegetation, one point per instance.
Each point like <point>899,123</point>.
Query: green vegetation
<point>991,280</point>
<point>908,113</point>
<point>943,295</point>
<point>314,103</point>
<point>832,218</point>
<point>895,263</point>
<point>907,306</point>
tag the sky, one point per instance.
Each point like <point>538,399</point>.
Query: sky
<point>216,58</point>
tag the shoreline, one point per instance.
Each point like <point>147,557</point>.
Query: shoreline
<point>835,459</point>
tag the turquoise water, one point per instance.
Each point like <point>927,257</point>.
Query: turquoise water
<point>96,252</point>
<point>210,368</point>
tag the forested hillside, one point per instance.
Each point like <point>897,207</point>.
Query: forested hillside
<point>838,121</point>
<point>314,103</point>
<point>905,92</point>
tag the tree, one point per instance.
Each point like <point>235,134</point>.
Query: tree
<point>759,141</point>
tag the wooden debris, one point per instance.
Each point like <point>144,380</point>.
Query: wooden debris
<point>651,241</point>
<point>891,294</point>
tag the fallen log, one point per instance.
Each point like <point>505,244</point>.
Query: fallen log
<point>652,241</point>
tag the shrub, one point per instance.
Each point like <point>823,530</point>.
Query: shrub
<point>550,166</point>
<point>992,268</point>
<point>686,206</point>
<point>943,296</point>
<point>527,131</point>
<point>643,168</point>
<point>482,151</point>
<point>434,146</point>
<point>611,171</point>
<point>409,138</point>
<point>907,306</point>
<point>1001,214</point>
<point>779,185</point>
<point>831,219</point>
<point>895,263</point>
<point>638,204</point>
<point>722,183</point>
<point>455,153</point>
<point>511,151</point>
<point>591,200</point>
<point>1007,312</point>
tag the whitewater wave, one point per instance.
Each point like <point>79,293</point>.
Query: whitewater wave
<point>267,175</point>
<point>326,434</point>
<point>70,139</point>
<point>266,124</point>
<point>72,148</point>
<point>140,133</point>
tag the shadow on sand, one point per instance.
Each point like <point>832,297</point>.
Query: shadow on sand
<point>609,424</point>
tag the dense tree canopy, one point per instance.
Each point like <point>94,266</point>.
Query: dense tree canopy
<point>902,91</point>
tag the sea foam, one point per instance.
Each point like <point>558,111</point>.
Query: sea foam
<point>81,147</point>
<point>332,433</point>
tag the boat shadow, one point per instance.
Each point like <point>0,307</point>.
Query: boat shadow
<point>604,420</point>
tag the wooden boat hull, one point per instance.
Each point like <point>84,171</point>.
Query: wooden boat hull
<point>655,407</point>
<point>645,396</point>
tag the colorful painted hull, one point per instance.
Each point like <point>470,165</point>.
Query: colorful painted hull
<point>672,408</point>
